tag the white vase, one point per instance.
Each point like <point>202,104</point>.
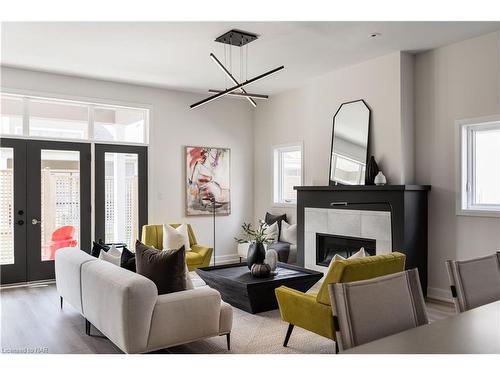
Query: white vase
<point>271,259</point>
<point>380,179</point>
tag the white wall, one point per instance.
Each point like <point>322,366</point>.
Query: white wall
<point>225,123</point>
<point>306,114</point>
<point>454,82</point>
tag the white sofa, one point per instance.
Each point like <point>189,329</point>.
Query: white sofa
<point>127,309</point>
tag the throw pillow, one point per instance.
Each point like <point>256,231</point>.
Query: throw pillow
<point>127,260</point>
<point>113,256</point>
<point>288,233</point>
<point>272,232</point>
<point>359,254</point>
<point>189,282</point>
<point>174,238</point>
<point>96,249</point>
<point>271,219</point>
<point>166,268</point>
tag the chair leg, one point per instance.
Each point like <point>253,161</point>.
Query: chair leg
<point>87,327</point>
<point>288,334</point>
<point>228,339</point>
<point>336,347</point>
<point>61,302</point>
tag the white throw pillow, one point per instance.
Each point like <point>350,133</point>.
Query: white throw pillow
<point>113,256</point>
<point>272,232</point>
<point>174,238</point>
<point>288,233</point>
<point>359,254</point>
<point>189,282</point>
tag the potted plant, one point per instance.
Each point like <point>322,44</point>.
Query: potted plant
<point>256,238</point>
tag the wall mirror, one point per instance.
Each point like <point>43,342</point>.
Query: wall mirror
<point>349,152</point>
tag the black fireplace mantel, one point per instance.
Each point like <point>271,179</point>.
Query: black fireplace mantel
<point>364,188</point>
<point>407,204</point>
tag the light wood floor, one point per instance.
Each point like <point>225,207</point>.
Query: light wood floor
<point>32,320</point>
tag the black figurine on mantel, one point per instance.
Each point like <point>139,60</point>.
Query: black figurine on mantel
<point>371,171</point>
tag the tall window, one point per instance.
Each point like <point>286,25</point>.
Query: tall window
<point>480,167</point>
<point>48,118</point>
<point>287,171</point>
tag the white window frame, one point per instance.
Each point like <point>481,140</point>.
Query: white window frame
<point>465,189</point>
<point>91,103</point>
<point>276,171</point>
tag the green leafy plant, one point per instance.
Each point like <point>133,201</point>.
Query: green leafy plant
<point>258,235</point>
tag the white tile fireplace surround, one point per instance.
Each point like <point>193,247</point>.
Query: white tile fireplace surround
<point>374,225</point>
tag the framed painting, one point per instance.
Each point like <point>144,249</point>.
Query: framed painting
<point>208,180</point>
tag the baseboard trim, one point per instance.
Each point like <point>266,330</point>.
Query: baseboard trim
<point>226,259</point>
<point>439,294</point>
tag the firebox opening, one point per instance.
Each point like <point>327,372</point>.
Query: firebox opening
<point>327,245</point>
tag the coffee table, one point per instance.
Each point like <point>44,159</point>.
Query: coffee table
<point>254,295</point>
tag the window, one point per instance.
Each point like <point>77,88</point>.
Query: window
<point>57,119</point>
<point>480,167</point>
<point>12,116</point>
<point>287,172</point>
<point>119,124</point>
<point>36,117</point>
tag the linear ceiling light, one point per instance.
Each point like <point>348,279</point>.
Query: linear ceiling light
<point>236,38</point>
<point>231,89</point>
<point>244,94</point>
<point>223,68</point>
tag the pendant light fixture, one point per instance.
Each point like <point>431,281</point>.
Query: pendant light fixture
<point>236,38</point>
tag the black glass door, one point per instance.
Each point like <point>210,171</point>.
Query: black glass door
<point>121,193</point>
<point>51,208</point>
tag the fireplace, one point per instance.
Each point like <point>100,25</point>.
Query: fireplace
<point>327,245</point>
<point>395,216</point>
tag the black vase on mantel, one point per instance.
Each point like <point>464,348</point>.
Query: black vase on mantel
<point>256,254</point>
<point>371,171</point>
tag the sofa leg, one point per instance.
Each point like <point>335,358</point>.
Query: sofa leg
<point>288,334</point>
<point>61,302</point>
<point>87,327</point>
<point>228,339</point>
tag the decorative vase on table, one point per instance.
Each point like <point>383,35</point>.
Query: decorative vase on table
<point>371,171</point>
<point>380,179</point>
<point>271,259</point>
<point>256,254</point>
<point>261,270</point>
<point>257,238</point>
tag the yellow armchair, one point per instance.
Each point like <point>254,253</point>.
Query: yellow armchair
<point>312,311</point>
<point>199,256</point>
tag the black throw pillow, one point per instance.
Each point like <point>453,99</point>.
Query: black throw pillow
<point>127,260</point>
<point>271,219</point>
<point>166,268</point>
<point>96,249</point>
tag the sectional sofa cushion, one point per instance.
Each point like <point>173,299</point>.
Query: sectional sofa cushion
<point>288,233</point>
<point>271,219</point>
<point>127,260</point>
<point>113,256</point>
<point>272,232</point>
<point>174,238</point>
<point>97,248</point>
<point>166,268</point>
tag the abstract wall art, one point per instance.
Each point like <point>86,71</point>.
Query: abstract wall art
<point>208,180</point>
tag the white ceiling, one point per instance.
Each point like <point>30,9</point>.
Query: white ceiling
<point>176,54</point>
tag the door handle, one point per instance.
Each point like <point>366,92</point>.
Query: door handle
<point>35,221</point>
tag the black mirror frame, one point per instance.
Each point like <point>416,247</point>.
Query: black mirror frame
<point>330,181</point>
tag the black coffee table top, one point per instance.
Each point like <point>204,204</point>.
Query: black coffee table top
<point>240,273</point>
<point>240,289</point>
